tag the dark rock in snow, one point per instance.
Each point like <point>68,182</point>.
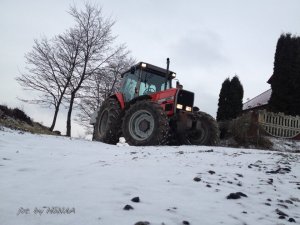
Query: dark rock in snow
<point>281,217</point>
<point>208,185</point>
<point>242,194</point>
<point>289,201</point>
<point>128,207</point>
<point>270,181</point>
<point>197,179</point>
<point>244,212</point>
<point>211,172</point>
<point>236,195</point>
<point>233,196</point>
<point>211,150</point>
<point>269,200</point>
<point>292,220</point>
<point>273,171</point>
<point>142,223</point>
<point>186,222</point>
<point>239,175</point>
<point>284,206</point>
<point>280,170</point>
<point>135,199</point>
<point>280,213</point>
<point>268,204</point>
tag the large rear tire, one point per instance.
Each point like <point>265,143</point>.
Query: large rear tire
<point>146,123</point>
<point>108,123</point>
<point>205,131</point>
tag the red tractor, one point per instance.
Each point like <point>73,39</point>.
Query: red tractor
<point>148,111</point>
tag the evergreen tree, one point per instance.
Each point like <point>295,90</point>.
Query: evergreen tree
<point>285,81</point>
<point>230,99</point>
<point>235,97</point>
<point>222,113</point>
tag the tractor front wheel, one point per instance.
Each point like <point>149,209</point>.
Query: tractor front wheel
<point>204,132</point>
<point>107,127</point>
<point>145,123</point>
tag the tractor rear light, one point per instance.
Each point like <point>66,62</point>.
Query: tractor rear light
<point>144,65</point>
<point>188,108</point>
<point>179,106</point>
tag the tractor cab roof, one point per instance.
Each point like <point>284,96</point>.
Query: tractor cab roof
<point>150,68</point>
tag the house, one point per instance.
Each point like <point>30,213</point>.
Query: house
<point>259,102</point>
<point>275,124</point>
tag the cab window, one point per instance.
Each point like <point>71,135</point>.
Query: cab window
<point>129,85</point>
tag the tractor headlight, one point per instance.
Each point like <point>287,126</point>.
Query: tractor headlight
<point>179,106</point>
<point>144,65</point>
<point>173,75</point>
<point>188,108</point>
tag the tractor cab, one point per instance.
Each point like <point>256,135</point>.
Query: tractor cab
<point>145,79</point>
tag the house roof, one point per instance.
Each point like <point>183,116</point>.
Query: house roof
<point>258,101</point>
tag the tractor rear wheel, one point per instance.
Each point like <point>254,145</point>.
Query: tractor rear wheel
<point>205,131</point>
<point>108,122</point>
<point>145,123</point>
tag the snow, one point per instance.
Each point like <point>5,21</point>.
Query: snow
<point>92,182</point>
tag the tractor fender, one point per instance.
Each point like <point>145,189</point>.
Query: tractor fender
<point>139,98</point>
<point>118,97</point>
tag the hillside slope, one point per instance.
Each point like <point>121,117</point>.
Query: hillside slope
<point>58,180</point>
<point>17,119</point>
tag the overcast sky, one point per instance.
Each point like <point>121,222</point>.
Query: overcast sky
<point>206,41</point>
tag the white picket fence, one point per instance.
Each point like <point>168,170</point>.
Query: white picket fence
<point>279,124</point>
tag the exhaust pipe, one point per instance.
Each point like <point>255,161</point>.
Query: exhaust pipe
<point>167,73</point>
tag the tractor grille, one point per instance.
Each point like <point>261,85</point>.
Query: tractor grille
<point>185,98</point>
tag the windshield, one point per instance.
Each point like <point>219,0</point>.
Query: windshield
<point>149,83</point>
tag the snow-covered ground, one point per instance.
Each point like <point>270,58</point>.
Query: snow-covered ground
<point>56,180</point>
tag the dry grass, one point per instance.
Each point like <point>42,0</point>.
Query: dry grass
<point>245,131</point>
<point>18,120</point>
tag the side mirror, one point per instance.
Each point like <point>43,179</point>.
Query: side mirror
<point>178,85</point>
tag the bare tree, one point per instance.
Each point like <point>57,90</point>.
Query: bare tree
<point>93,33</point>
<point>59,68</point>
<point>46,74</point>
<point>102,84</point>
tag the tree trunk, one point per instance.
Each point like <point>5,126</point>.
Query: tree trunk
<point>54,118</point>
<point>68,134</point>
<point>57,107</point>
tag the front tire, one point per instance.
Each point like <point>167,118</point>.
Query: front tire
<point>108,122</point>
<point>145,123</point>
<point>205,131</point>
